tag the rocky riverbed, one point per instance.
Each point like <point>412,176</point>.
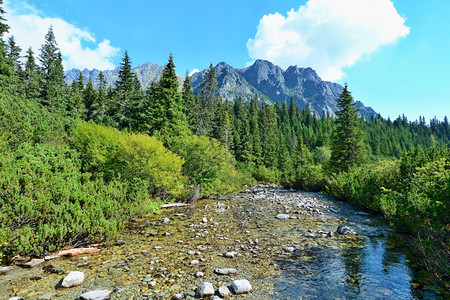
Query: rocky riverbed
<point>264,243</point>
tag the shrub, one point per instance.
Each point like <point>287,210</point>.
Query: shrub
<point>47,203</point>
<point>109,154</point>
<point>207,164</point>
<point>311,178</point>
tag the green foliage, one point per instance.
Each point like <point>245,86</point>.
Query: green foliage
<point>207,165</point>
<point>109,153</point>
<point>347,148</point>
<point>311,178</point>
<point>47,203</point>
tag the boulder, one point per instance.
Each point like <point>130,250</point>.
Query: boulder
<point>74,278</point>
<point>205,289</point>
<point>241,286</point>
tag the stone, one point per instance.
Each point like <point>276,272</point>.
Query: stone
<point>226,271</point>
<point>224,292</point>
<point>178,297</point>
<point>74,278</point>
<point>33,263</point>
<point>289,249</point>
<point>345,230</point>
<point>17,298</point>
<point>195,262</point>
<point>166,221</point>
<point>199,274</point>
<point>96,295</point>
<point>205,289</point>
<point>230,254</point>
<point>147,279</point>
<point>167,234</point>
<point>216,298</point>
<point>283,216</point>
<point>241,286</point>
<point>4,270</point>
<point>47,296</point>
<point>204,220</point>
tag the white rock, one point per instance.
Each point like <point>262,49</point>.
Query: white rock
<point>283,216</point>
<point>226,271</point>
<point>224,292</point>
<point>74,278</point>
<point>205,289</point>
<point>33,263</point>
<point>241,286</point>
<point>96,295</point>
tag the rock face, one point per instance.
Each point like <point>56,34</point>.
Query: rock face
<point>241,286</point>
<point>205,289</point>
<point>96,295</point>
<point>74,278</point>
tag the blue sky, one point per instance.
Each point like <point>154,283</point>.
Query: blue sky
<point>393,55</point>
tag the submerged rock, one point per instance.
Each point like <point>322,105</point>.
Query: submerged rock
<point>345,230</point>
<point>96,295</point>
<point>33,263</point>
<point>226,271</point>
<point>283,216</point>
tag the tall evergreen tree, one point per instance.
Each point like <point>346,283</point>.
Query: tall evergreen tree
<point>52,84</point>
<point>191,104</point>
<point>208,99</point>
<point>5,67</point>
<point>98,109</point>
<point>347,146</point>
<point>89,97</point>
<point>165,114</point>
<point>31,76</point>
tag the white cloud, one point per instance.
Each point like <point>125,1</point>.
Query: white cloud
<point>29,26</point>
<point>193,72</point>
<point>327,35</point>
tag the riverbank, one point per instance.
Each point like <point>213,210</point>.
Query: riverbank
<point>287,244</point>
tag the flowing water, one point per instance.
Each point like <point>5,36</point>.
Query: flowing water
<point>301,257</point>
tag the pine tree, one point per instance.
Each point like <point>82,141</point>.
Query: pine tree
<point>13,58</point>
<point>208,100</point>
<point>347,146</point>
<point>191,104</point>
<point>52,84</point>
<point>98,107</point>
<point>5,67</point>
<point>165,114</point>
<point>89,97</point>
<point>31,76</point>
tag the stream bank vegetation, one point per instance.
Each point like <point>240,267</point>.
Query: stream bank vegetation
<point>77,162</point>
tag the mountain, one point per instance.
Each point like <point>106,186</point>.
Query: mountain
<point>262,80</point>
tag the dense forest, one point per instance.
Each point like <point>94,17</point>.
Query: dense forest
<point>77,162</point>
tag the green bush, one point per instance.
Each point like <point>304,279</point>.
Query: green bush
<point>311,178</point>
<point>47,203</point>
<point>109,154</point>
<point>208,165</point>
<point>24,120</point>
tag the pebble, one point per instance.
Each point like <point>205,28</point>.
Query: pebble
<point>283,216</point>
<point>230,254</point>
<point>167,234</point>
<point>4,270</point>
<point>195,262</point>
<point>16,298</point>
<point>226,271</point>
<point>199,274</point>
<point>96,295</point>
<point>224,292</point>
<point>205,289</point>
<point>289,249</point>
<point>345,230</point>
<point>178,297</point>
<point>47,296</point>
<point>74,278</point>
<point>241,286</point>
<point>166,221</point>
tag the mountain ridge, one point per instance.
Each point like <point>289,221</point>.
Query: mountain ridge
<point>263,80</point>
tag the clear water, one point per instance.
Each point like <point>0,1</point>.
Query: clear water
<point>375,264</point>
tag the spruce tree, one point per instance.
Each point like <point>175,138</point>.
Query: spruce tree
<point>31,76</point>
<point>191,104</point>
<point>52,84</point>
<point>208,91</point>
<point>165,114</point>
<point>5,67</point>
<point>347,146</point>
<point>89,97</point>
<point>98,109</point>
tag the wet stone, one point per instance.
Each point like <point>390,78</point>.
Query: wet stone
<point>178,297</point>
<point>47,296</point>
<point>96,295</point>
<point>289,249</point>
<point>4,270</point>
<point>345,230</point>
<point>226,271</point>
<point>205,289</point>
<point>283,216</point>
<point>33,263</point>
<point>199,274</point>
